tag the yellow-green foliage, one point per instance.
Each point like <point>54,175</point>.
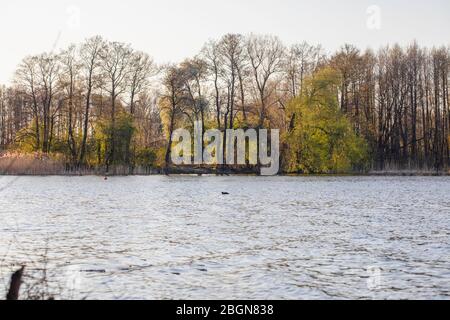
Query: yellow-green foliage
<point>145,157</point>
<point>123,133</point>
<point>322,139</point>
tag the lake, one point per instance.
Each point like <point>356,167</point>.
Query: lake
<point>270,238</point>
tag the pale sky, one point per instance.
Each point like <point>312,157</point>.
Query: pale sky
<point>171,30</point>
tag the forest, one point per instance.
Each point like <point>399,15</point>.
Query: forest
<point>101,104</point>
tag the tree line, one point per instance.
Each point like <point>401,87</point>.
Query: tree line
<point>102,103</point>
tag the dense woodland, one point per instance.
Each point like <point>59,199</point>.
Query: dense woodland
<point>102,103</point>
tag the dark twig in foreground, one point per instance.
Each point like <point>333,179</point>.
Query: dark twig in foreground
<point>16,281</point>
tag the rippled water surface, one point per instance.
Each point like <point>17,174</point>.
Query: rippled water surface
<point>270,238</point>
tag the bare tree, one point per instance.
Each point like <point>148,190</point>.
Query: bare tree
<point>142,68</point>
<point>90,53</point>
<point>68,79</point>
<point>172,102</point>
<point>194,73</point>
<point>232,55</point>
<point>26,79</point>
<point>211,55</point>
<point>301,60</point>
<point>266,59</point>
<point>115,63</point>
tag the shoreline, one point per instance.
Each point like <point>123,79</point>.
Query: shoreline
<point>368,174</point>
<point>16,166</point>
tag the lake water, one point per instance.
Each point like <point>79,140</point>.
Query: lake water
<point>270,238</point>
